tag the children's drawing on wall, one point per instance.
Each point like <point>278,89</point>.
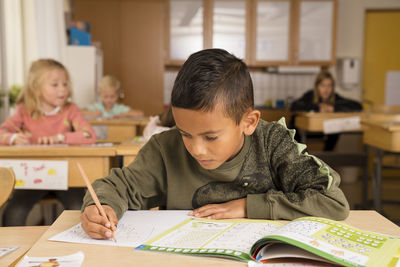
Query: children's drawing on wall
<point>39,174</point>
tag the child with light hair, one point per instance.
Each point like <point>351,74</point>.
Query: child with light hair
<point>44,116</point>
<point>110,89</point>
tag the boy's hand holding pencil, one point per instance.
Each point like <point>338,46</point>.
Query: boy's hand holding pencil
<point>97,226</point>
<point>98,221</point>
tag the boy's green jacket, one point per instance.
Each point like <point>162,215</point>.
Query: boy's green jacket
<point>278,178</point>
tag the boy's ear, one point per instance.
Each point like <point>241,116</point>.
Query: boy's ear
<point>250,121</point>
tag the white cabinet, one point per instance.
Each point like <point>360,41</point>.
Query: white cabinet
<point>316,31</point>
<point>262,32</point>
<point>273,31</point>
<point>197,24</point>
<point>294,32</point>
<point>229,26</point>
<point>185,28</point>
<point>85,66</point>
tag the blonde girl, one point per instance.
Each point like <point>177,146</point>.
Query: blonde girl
<point>44,115</point>
<point>110,90</point>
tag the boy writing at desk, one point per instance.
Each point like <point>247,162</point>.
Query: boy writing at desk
<point>220,160</point>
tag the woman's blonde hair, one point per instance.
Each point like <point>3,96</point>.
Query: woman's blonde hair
<point>318,80</point>
<point>30,94</point>
<point>109,82</point>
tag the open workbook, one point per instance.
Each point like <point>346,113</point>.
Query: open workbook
<point>259,240</point>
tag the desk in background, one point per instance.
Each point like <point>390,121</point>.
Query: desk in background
<point>382,137</point>
<point>96,160</point>
<point>313,122</point>
<point>120,130</point>
<point>23,237</point>
<point>97,255</point>
<point>128,150</point>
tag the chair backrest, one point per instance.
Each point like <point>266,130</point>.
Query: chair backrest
<point>7,183</point>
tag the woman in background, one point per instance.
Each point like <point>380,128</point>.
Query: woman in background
<point>324,99</point>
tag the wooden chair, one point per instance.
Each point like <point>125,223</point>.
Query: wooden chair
<point>7,182</point>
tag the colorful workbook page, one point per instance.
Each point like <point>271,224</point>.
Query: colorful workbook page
<point>334,241</point>
<point>313,238</point>
<point>73,260</point>
<point>134,228</point>
<point>218,238</point>
<point>294,262</point>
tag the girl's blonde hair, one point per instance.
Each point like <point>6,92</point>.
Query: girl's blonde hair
<point>30,94</point>
<point>109,82</point>
<point>318,80</point>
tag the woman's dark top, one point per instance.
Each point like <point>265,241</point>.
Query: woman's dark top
<point>306,103</point>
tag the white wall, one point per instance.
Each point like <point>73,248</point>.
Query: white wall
<point>350,33</point>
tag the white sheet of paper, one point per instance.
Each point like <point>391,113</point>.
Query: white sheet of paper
<point>134,228</point>
<point>39,174</point>
<point>73,260</point>
<point>6,250</point>
<point>341,125</point>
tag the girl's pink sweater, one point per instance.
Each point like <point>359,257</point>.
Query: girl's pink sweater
<point>69,121</point>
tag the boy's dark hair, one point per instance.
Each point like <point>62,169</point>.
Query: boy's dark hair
<point>210,77</point>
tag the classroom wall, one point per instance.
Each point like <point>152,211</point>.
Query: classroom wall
<point>349,44</point>
<point>126,27</point>
<point>350,32</point>
<point>131,34</point>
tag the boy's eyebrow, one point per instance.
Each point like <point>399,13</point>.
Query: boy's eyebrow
<point>203,133</point>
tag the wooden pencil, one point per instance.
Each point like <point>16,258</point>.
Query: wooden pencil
<point>14,126</point>
<point>94,196</point>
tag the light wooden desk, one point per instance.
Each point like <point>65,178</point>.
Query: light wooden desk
<point>120,130</point>
<point>314,121</point>
<point>128,149</point>
<point>23,237</point>
<point>95,160</point>
<point>98,255</point>
<point>382,137</point>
